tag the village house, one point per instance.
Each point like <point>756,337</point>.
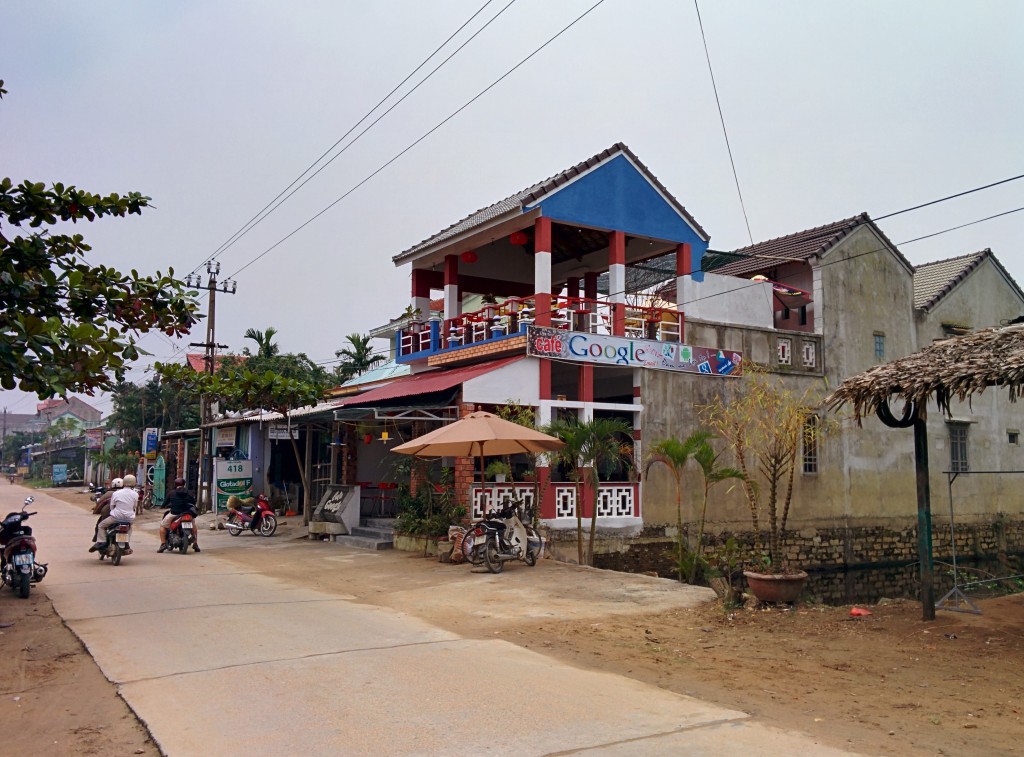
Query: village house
<point>594,293</point>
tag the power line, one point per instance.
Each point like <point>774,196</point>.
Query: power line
<point>721,117</point>
<point>950,197</point>
<point>456,112</point>
<point>263,212</point>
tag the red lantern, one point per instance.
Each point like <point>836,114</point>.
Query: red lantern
<point>518,238</point>
<point>367,438</point>
<point>468,257</point>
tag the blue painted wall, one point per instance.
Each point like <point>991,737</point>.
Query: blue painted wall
<point>617,196</point>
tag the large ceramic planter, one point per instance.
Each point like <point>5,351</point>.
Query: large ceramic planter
<point>776,587</point>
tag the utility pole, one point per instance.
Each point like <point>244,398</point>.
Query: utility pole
<point>209,364</point>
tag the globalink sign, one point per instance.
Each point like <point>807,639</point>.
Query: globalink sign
<point>600,349</point>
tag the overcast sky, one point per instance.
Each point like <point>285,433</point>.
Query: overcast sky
<point>213,107</point>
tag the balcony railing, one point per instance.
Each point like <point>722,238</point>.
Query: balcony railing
<point>511,317</point>
<point>614,500</point>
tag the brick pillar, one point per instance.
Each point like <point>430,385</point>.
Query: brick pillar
<point>464,467</point>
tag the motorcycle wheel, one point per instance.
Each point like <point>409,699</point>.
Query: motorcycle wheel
<point>530,558</point>
<point>115,558</point>
<point>232,526</point>
<point>491,559</point>
<point>24,585</point>
<point>268,525</point>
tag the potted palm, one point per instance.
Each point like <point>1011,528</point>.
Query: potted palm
<point>764,424</point>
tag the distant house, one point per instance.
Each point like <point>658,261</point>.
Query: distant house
<point>83,414</point>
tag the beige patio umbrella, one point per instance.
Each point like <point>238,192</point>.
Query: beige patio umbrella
<point>479,434</point>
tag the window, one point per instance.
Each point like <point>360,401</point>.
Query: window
<point>1012,436</point>
<point>958,448</point>
<point>803,315</point>
<point>785,348</point>
<point>879,345</point>
<point>809,455</point>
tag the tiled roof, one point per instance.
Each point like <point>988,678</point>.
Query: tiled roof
<point>533,194</point>
<point>197,360</point>
<point>799,246</point>
<point>933,281</point>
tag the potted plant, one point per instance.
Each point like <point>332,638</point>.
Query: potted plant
<point>498,470</point>
<point>764,424</point>
<point>721,568</point>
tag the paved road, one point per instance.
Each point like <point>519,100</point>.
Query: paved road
<point>196,651</point>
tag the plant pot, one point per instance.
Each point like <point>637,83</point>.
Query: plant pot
<point>499,478</point>
<point>776,587</point>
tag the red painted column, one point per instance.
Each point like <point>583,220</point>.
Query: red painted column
<point>590,285</point>
<point>542,270</point>
<point>585,383</point>
<point>684,268</point>
<point>452,296</point>
<point>617,280</point>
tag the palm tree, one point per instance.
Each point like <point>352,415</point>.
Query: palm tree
<point>357,358</point>
<point>707,459</point>
<point>265,345</point>
<point>673,454</point>
<point>591,447</point>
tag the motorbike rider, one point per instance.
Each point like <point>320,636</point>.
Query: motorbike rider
<point>102,506</point>
<point>122,509</point>
<point>180,502</point>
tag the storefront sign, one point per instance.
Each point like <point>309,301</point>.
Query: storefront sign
<point>151,441</point>
<point>233,477</point>
<point>600,349</point>
<point>60,473</point>
<point>281,432</point>
<point>225,437</point>
<point>94,438</point>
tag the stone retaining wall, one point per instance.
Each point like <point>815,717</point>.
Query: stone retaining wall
<point>845,564</point>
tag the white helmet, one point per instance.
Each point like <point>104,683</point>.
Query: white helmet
<point>116,483</point>
<point>129,481</point>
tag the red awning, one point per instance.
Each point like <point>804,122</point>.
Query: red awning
<point>786,295</point>
<point>425,383</point>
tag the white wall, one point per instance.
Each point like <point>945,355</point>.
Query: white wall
<point>728,299</point>
<point>518,381</point>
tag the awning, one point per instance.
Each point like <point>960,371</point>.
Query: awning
<point>424,383</point>
<point>786,295</point>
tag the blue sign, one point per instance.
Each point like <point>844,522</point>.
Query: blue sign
<point>60,473</point>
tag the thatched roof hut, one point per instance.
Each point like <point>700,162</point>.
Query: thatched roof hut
<point>954,368</point>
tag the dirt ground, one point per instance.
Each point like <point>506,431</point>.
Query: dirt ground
<point>885,683</point>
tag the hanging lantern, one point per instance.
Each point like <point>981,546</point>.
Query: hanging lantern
<point>385,436</point>
<point>367,438</point>
<point>518,238</point>
<point>468,257</point>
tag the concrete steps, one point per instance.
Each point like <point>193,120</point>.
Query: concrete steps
<point>371,534</point>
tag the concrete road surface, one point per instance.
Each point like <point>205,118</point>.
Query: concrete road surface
<point>194,645</point>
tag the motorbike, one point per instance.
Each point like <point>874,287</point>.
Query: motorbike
<point>18,566</point>
<point>117,544</point>
<point>501,535</point>
<point>96,491</point>
<point>260,520</point>
<point>181,532</point>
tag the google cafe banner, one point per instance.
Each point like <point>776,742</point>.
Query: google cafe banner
<point>601,349</point>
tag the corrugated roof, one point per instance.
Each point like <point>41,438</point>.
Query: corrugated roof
<point>425,383</point>
<point>533,194</point>
<point>933,281</point>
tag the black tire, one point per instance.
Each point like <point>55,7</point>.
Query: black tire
<point>268,525</point>
<point>232,526</point>
<point>182,544</point>
<point>24,585</point>
<point>491,559</point>
<point>115,558</point>
<point>530,558</point>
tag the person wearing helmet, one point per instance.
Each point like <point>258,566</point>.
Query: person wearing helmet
<point>180,502</point>
<point>122,509</point>
<point>102,506</point>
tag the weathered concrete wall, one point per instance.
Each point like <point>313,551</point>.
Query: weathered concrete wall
<point>728,300</point>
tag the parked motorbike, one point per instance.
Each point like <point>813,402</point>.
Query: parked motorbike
<point>117,544</point>
<point>181,532</point>
<point>96,491</point>
<point>500,536</point>
<point>258,518</point>
<point>18,566</point>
